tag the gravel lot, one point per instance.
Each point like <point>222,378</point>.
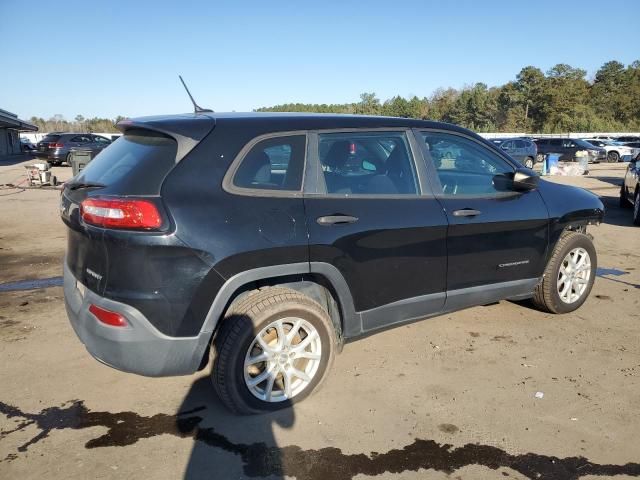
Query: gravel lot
<point>451,397</point>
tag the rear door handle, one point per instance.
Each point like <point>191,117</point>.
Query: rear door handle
<point>336,220</point>
<point>466,212</point>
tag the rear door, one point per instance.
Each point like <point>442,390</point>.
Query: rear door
<point>497,237</point>
<point>370,215</point>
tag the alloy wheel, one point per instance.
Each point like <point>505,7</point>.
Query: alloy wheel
<point>282,359</point>
<point>574,275</point>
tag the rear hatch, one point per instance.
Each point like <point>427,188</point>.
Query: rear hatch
<point>133,167</point>
<point>48,142</point>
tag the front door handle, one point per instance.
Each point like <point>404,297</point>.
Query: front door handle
<point>336,220</point>
<point>466,212</point>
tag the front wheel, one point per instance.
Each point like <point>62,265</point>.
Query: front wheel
<point>273,349</point>
<point>569,275</point>
<point>613,157</point>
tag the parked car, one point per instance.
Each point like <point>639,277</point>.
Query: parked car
<point>26,145</point>
<point>56,147</point>
<point>627,138</point>
<point>522,149</point>
<point>568,147</point>
<point>615,150</point>
<point>261,243</point>
<point>636,148</point>
<point>630,190</point>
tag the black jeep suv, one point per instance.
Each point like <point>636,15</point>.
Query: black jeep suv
<point>263,242</point>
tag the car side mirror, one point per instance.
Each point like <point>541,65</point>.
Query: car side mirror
<point>524,180</point>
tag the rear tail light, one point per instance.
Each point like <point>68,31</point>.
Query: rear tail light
<point>121,213</point>
<point>108,317</point>
<point>56,145</point>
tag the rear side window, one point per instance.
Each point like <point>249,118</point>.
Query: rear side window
<point>367,163</point>
<point>521,144</point>
<point>135,164</point>
<point>275,163</point>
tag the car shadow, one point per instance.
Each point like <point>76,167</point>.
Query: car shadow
<point>9,160</point>
<point>615,214</point>
<point>227,445</point>
<point>617,181</point>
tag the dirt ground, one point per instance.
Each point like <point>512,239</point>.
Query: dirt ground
<point>451,397</point>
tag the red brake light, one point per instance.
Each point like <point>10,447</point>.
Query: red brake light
<point>108,317</point>
<point>121,213</point>
<point>56,145</point>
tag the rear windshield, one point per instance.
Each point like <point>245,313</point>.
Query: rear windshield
<point>51,138</point>
<point>135,164</point>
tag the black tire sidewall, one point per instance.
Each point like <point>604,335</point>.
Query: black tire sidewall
<point>576,241</point>
<point>235,365</point>
<point>636,213</point>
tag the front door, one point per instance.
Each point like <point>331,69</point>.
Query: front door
<point>371,219</point>
<point>497,238</point>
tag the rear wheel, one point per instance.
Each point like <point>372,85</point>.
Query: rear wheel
<point>528,162</point>
<point>569,275</point>
<point>540,158</point>
<point>613,157</point>
<point>68,159</point>
<point>273,349</point>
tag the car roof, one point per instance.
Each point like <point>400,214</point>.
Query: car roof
<point>184,124</point>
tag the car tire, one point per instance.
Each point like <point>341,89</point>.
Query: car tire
<point>67,159</point>
<point>636,208</point>
<point>528,162</point>
<point>613,157</point>
<point>565,286</point>
<point>624,203</point>
<point>256,320</point>
<point>540,158</point>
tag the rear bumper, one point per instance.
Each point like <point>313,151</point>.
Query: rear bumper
<point>138,348</point>
<point>49,155</point>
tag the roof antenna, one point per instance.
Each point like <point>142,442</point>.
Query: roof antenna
<point>196,108</point>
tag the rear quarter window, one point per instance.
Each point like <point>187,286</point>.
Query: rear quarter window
<point>275,163</point>
<point>135,164</point>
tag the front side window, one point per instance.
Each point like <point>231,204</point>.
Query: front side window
<point>465,167</point>
<point>367,163</point>
<point>273,164</point>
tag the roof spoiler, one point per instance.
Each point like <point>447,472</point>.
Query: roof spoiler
<point>186,130</point>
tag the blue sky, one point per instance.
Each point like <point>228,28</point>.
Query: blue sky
<point>122,57</point>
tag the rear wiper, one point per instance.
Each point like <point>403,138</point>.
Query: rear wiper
<point>76,186</point>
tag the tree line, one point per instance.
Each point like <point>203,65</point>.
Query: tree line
<point>58,123</point>
<point>560,100</point>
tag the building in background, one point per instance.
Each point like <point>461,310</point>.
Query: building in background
<point>10,128</point>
